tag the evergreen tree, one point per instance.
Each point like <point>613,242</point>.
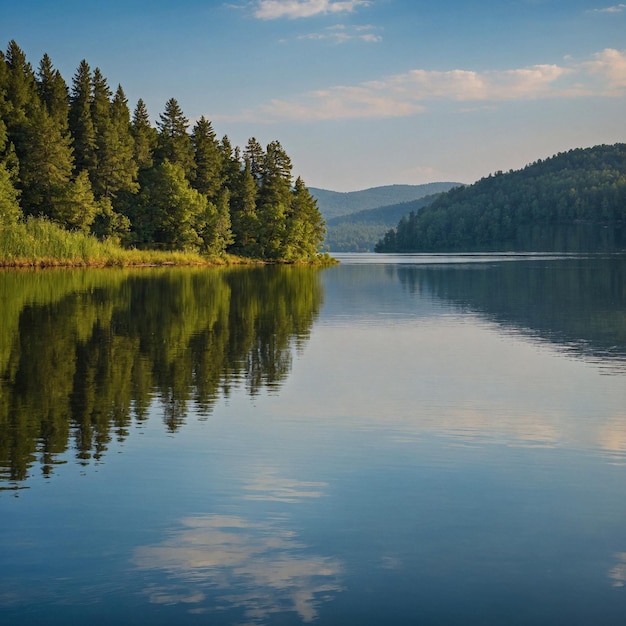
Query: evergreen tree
<point>145,137</point>
<point>231,164</point>
<point>10,211</point>
<point>171,211</point>
<point>53,92</point>
<point>20,98</point>
<point>245,222</point>
<point>208,177</point>
<point>174,143</point>
<point>126,169</point>
<point>21,90</point>
<point>274,201</point>
<point>75,207</point>
<point>46,167</point>
<point>305,226</point>
<point>80,120</point>
<point>254,154</point>
<point>115,169</point>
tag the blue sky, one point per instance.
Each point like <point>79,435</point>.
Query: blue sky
<point>360,93</point>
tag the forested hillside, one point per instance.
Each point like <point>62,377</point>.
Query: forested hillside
<point>359,232</point>
<point>77,156</point>
<point>336,203</point>
<point>578,187</point>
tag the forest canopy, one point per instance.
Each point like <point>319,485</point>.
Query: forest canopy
<point>77,156</point>
<point>578,187</point>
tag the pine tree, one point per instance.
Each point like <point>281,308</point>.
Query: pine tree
<point>305,225</point>
<point>21,88</point>
<point>145,137</point>
<point>171,211</point>
<point>208,178</point>
<point>80,120</point>
<point>245,222</point>
<point>274,201</point>
<point>10,211</point>
<point>126,170</point>
<point>115,169</point>
<point>231,164</point>
<point>174,143</point>
<point>46,167</point>
<point>53,92</point>
<point>75,207</point>
<point>254,154</point>
<point>216,230</point>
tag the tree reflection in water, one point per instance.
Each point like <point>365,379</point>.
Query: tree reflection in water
<point>84,353</point>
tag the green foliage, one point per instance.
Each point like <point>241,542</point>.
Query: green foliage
<point>10,210</point>
<point>208,176</point>
<point>176,211</point>
<point>579,186</point>
<point>174,144</point>
<point>76,157</point>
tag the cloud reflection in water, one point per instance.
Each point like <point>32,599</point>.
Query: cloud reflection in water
<point>220,562</point>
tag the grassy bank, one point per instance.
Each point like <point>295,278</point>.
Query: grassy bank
<point>37,242</point>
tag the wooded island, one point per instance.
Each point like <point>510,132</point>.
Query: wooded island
<point>76,159</point>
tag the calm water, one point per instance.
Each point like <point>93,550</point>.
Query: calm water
<point>396,440</point>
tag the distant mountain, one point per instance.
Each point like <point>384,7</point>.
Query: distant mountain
<point>359,232</point>
<point>573,201</point>
<point>335,203</point>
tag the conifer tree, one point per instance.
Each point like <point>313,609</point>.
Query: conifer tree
<point>80,120</point>
<point>46,167</point>
<point>126,169</point>
<point>274,201</point>
<point>254,154</point>
<point>171,211</point>
<point>144,135</point>
<point>208,178</point>
<point>76,208</point>
<point>305,229</point>
<point>174,143</point>
<point>115,169</point>
<point>231,164</point>
<point>21,88</point>
<point>53,92</point>
<point>245,223</point>
<point>10,211</point>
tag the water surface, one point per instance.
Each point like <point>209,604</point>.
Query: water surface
<point>398,439</point>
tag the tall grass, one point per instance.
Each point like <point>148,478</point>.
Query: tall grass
<point>40,242</point>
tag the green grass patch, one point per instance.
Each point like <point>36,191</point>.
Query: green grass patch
<point>38,242</point>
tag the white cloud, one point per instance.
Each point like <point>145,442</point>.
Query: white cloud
<point>401,95</point>
<point>617,8</point>
<point>609,65</point>
<point>294,9</point>
<point>342,34</point>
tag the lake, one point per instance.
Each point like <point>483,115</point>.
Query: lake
<point>399,439</point>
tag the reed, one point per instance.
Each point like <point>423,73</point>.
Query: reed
<point>38,242</point>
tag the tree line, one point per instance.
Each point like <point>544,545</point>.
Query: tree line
<point>581,186</point>
<point>77,156</point>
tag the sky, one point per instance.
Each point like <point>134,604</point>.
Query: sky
<point>360,93</point>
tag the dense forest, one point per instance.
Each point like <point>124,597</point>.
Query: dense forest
<point>78,157</point>
<point>581,187</point>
